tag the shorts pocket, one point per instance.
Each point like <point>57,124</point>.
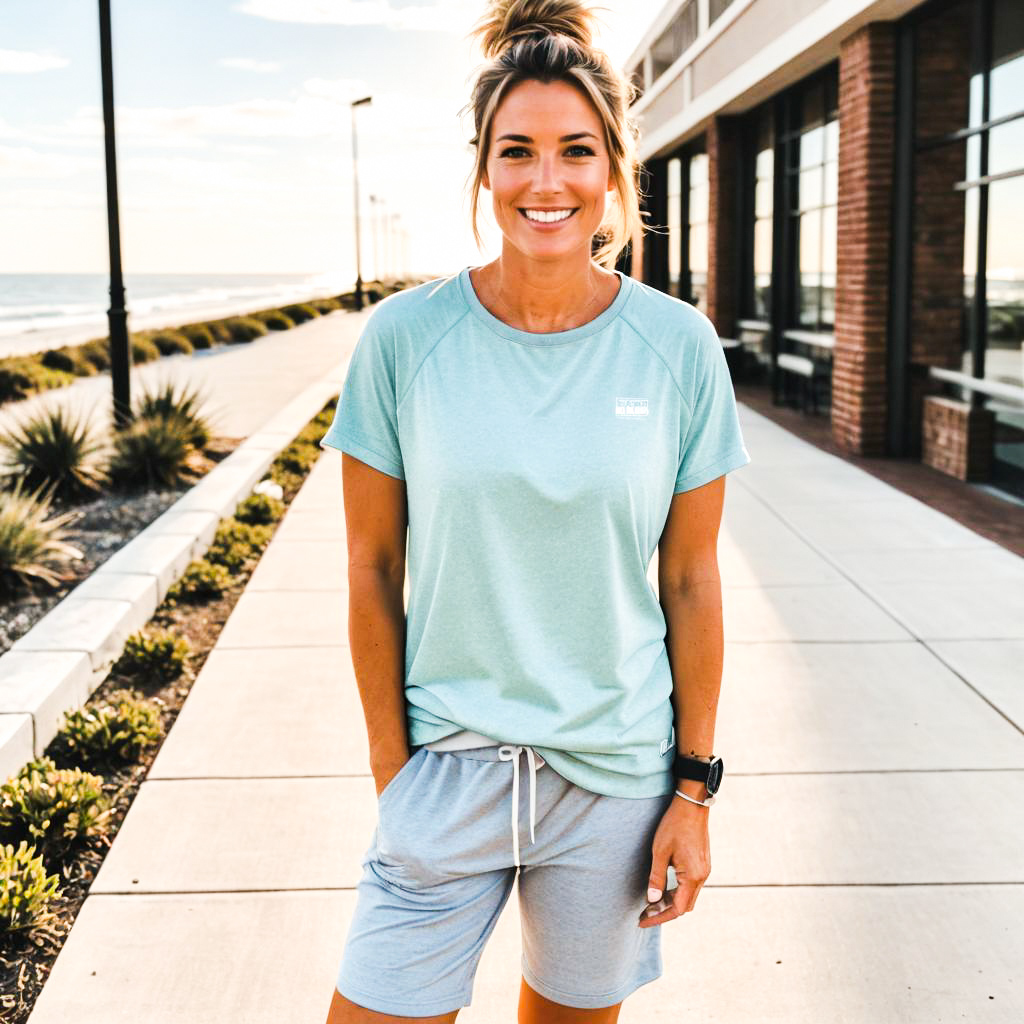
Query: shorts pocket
<point>396,779</point>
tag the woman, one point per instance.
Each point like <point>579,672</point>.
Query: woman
<point>540,424</point>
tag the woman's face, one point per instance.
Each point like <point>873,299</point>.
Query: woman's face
<point>547,153</point>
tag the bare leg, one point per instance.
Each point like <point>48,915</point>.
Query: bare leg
<point>344,1011</point>
<point>536,1009</point>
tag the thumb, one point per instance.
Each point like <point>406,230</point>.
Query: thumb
<point>656,879</point>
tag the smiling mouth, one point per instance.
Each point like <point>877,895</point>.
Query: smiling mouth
<point>561,220</point>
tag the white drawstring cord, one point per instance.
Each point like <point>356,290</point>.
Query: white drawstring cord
<point>511,752</point>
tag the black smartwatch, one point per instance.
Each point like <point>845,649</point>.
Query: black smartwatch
<point>700,771</point>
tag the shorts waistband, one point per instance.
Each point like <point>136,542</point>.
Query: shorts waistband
<point>489,753</point>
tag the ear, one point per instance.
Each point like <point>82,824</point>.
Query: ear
<point>485,180</point>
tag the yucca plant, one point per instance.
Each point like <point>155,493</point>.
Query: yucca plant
<point>164,403</point>
<point>32,544</point>
<point>151,452</point>
<point>55,449</point>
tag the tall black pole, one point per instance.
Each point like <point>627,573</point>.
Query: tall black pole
<point>117,315</point>
<point>355,189</point>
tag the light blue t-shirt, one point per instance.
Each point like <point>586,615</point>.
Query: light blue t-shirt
<point>539,469</point>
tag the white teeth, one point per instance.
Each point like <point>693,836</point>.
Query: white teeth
<point>548,215</point>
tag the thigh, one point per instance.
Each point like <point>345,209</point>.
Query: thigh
<point>419,926</point>
<point>580,904</point>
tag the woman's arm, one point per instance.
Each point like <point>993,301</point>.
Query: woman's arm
<point>376,517</point>
<point>690,591</point>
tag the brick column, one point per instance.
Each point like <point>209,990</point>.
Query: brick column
<point>724,155</point>
<point>866,145</point>
<point>942,84</point>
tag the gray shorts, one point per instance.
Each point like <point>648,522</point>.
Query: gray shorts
<point>441,866</point>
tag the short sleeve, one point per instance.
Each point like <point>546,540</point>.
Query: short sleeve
<point>365,421</point>
<point>711,443</point>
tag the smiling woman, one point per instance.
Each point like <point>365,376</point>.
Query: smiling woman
<point>524,435</point>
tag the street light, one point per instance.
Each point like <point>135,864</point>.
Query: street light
<point>373,228</point>
<point>117,315</point>
<point>355,187</point>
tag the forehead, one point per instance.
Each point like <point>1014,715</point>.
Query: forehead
<point>545,108</point>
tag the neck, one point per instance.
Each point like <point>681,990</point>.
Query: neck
<point>546,296</point>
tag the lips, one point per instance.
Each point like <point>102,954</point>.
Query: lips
<point>548,223</point>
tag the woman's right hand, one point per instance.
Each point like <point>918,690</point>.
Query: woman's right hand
<point>385,773</point>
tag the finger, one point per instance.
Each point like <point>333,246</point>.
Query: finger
<point>656,878</point>
<point>666,915</point>
<point>693,899</point>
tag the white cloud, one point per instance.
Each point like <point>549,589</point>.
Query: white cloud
<point>248,64</point>
<point>24,62</point>
<point>22,162</point>
<point>442,16</point>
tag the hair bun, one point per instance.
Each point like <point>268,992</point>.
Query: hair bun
<point>506,22</point>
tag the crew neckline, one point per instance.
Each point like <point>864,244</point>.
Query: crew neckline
<point>599,322</point>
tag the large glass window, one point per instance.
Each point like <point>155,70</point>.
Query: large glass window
<point>968,297</point>
<point>680,34</point>
<point>812,169</point>
<point>675,226</point>
<point>687,214</point>
<point>697,217</point>
<point>759,207</point>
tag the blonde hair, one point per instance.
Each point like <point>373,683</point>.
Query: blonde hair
<point>552,40</point>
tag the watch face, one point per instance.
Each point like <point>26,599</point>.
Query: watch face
<point>715,770</point>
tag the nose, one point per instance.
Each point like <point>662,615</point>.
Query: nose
<point>548,179</point>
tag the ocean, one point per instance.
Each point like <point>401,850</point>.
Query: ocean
<point>41,311</point>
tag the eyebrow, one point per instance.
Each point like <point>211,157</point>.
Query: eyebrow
<point>564,138</point>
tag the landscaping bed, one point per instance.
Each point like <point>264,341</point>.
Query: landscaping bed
<point>99,529</point>
<point>117,735</point>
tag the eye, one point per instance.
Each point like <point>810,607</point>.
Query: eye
<point>513,149</point>
<point>587,151</point>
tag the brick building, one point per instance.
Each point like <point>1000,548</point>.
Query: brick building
<point>839,185</point>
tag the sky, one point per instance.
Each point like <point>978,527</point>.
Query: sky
<point>234,132</point>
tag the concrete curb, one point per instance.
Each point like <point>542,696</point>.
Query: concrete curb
<point>60,662</point>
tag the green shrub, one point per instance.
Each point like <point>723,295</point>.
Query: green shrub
<point>245,328</point>
<point>96,352</point>
<point>32,544</point>
<point>22,376</point>
<point>118,728</point>
<point>220,331</point>
<point>172,342</point>
<point>164,402</point>
<point>199,335</point>
<point>52,806</point>
<point>201,581</point>
<point>324,306</point>
<point>58,359</point>
<point>26,890</point>
<point>236,545</point>
<point>150,452</point>
<point>298,457</point>
<point>275,319</point>
<point>259,509</point>
<point>300,311</point>
<point>143,349</point>
<point>55,449</point>
<point>158,655</point>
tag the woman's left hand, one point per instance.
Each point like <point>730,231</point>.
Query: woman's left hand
<point>682,841</point>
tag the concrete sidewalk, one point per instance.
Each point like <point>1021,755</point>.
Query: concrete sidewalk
<point>866,847</point>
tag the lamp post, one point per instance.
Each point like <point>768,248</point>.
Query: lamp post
<point>373,228</point>
<point>355,188</point>
<point>117,315</point>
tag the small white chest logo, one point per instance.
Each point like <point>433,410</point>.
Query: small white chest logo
<point>630,408</point>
